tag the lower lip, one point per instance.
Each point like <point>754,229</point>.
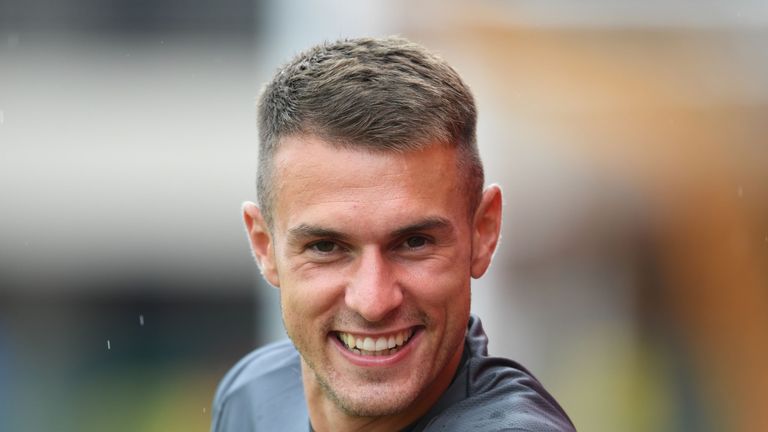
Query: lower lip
<point>379,360</point>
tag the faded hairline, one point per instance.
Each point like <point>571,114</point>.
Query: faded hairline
<point>379,95</point>
<point>468,166</point>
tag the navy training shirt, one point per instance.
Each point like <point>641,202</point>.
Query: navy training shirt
<point>264,392</point>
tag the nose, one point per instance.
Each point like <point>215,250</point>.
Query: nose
<point>373,290</point>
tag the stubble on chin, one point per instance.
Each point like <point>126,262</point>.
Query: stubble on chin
<point>374,396</point>
<point>385,400</point>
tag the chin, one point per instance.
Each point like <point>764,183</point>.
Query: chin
<point>371,404</point>
<point>371,400</point>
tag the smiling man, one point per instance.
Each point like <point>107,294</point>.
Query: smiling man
<point>372,220</point>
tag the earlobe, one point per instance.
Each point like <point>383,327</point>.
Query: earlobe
<point>486,229</point>
<point>261,242</point>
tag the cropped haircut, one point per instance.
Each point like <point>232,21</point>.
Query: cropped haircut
<point>375,94</point>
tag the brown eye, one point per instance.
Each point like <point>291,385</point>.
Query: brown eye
<point>416,242</point>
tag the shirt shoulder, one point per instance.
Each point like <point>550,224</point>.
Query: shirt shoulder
<point>504,395</point>
<point>263,391</point>
<point>501,394</point>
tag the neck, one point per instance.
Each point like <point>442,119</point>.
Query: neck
<point>325,415</point>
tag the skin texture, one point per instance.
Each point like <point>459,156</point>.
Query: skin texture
<point>372,243</point>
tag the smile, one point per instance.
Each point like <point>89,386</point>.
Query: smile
<point>376,345</point>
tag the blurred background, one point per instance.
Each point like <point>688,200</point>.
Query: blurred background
<point>629,139</point>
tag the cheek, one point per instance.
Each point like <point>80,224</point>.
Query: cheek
<point>438,282</point>
<point>306,296</point>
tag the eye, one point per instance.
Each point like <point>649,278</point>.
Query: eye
<point>416,242</point>
<point>323,246</point>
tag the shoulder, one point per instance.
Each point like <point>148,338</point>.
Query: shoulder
<point>501,394</point>
<point>261,363</point>
<point>263,387</point>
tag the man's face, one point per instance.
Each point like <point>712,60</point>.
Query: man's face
<point>372,254</point>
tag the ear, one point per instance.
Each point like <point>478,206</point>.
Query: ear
<point>486,229</point>
<point>261,242</point>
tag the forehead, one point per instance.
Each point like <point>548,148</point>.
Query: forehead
<point>313,176</point>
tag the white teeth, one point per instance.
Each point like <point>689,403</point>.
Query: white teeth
<point>381,346</point>
<point>369,344</point>
<point>381,343</point>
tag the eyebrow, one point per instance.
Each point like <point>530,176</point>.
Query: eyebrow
<point>303,232</point>
<point>428,224</point>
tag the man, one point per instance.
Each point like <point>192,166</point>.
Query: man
<point>371,221</point>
